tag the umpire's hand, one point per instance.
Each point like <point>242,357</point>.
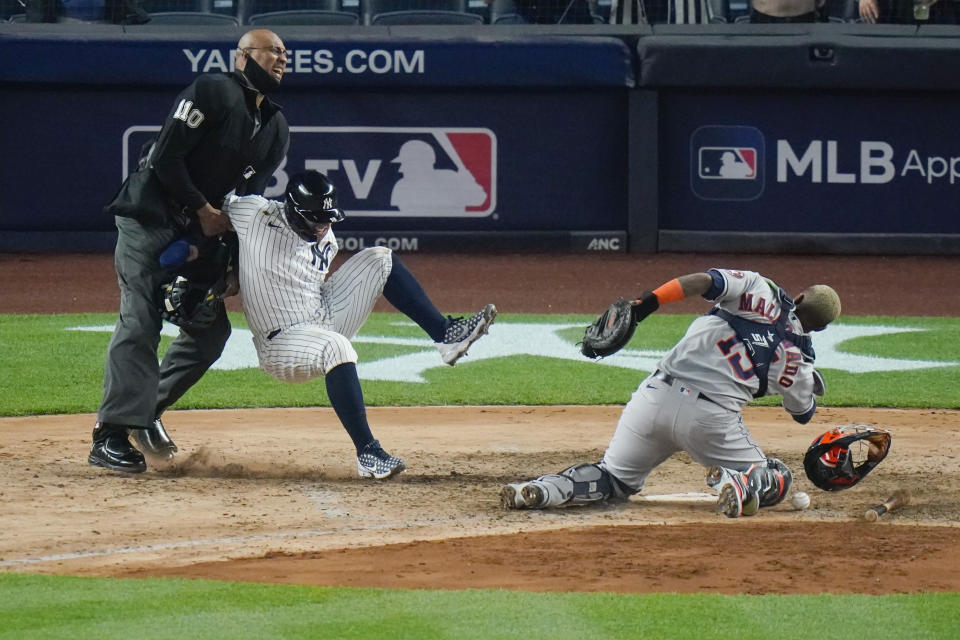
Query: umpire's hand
<point>212,221</point>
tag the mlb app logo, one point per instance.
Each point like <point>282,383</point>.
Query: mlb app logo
<point>400,172</point>
<point>727,162</point>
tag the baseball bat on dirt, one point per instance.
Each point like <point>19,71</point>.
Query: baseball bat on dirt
<point>899,498</point>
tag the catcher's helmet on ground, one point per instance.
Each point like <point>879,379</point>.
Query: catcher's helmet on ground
<point>186,304</point>
<point>831,464</point>
<point>311,203</point>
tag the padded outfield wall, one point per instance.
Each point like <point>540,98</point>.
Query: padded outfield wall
<point>579,138</point>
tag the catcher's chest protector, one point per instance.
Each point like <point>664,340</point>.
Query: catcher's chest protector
<point>761,340</point>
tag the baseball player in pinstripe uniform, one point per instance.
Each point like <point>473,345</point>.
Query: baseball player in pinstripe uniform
<point>755,341</point>
<point>303,317</point>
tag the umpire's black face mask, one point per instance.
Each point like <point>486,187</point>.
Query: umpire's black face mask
<point>260,79</point>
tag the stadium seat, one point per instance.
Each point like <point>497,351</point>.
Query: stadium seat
<point>169,6</point>
<point>719,11</point>
<point>426,17</point>
<point>504,12</point>
<point>303,16</point>
<point>370,8</point>
<point>508,18</point>
<point>183,18</point>
<point>22,17</point>
<point>252,7</point>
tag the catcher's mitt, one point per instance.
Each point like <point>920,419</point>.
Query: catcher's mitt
<point>187,304</point>
<point>610,332</point>
<point>841,457</point>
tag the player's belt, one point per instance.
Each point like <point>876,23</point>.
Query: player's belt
<point>669,379</point>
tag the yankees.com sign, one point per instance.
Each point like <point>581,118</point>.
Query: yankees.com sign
<point>388,172</point>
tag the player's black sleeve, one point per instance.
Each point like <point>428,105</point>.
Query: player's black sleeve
<point>181,133</point>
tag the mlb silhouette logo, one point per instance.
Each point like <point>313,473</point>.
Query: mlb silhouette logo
<point>400,172</point>
<point>727,162</point>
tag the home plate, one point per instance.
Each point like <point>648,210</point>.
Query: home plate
<point>693,496</point>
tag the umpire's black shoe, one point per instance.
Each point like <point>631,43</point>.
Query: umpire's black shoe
<point>154,441</point>
<point>112,450</point>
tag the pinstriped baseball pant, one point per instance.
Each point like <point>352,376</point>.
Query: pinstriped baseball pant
<point>311,349</point>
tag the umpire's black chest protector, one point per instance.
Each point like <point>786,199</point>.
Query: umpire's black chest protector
<point>761,340</point>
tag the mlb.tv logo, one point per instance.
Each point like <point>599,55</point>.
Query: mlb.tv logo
<point>399,172</point>
<point>727,162</point>
<point>438,172</point>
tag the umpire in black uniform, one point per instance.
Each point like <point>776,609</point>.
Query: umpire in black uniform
<point>223,133</point>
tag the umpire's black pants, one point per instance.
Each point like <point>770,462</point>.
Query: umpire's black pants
<point>136,388</point>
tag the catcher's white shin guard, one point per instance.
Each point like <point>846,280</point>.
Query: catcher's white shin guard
<point>545,491</point>
<point>580,484</point>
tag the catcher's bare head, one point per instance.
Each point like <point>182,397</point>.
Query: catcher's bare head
<point>817,307</point>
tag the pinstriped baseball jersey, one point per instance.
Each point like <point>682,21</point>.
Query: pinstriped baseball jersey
<point>280,274</point>
<point>711,359</point>
<point>302,321</point>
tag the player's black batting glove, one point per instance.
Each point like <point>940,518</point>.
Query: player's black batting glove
<point>643,306</point>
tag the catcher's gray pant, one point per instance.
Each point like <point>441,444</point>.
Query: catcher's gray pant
<point>136,388</point>
<point>311,349</point>
<point>662,418</point>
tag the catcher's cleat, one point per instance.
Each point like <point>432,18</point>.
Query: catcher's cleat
<point>735,498</point>
<point>463,332</point>
<point>523,495</point>
<point>374,462</point>
<point>112,450</point>
<point>154,441</point>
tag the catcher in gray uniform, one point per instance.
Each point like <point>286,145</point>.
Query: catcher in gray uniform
<point>754,342</point>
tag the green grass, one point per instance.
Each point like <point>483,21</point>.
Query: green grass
<point>45,369</point>
<point>50,370</point>
<point>36,606</point>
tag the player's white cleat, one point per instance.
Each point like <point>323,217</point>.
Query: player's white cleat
<point>374,462</point>
<point>523,495</point>
<point>735,498</point>
<point>463,332</point>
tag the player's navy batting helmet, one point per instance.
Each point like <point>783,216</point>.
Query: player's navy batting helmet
<point>311,202</point>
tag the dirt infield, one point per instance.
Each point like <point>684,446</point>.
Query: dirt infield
<point>271,495</point>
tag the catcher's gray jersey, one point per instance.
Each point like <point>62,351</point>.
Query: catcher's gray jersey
<point>302,321</point>
<point>693,401</point>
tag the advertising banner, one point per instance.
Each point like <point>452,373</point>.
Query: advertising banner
<point>821,162</point>
<point>474,162</point>
<point>146,56</point>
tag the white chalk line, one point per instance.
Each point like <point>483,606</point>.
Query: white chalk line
<point>184,544</point>
<point>693,496</point>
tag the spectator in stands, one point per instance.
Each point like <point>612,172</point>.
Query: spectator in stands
<point>555,11</point>
<point>785,11</point>
<point>223,133</point>
<point>909,11</point>
<point>663,12</point>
